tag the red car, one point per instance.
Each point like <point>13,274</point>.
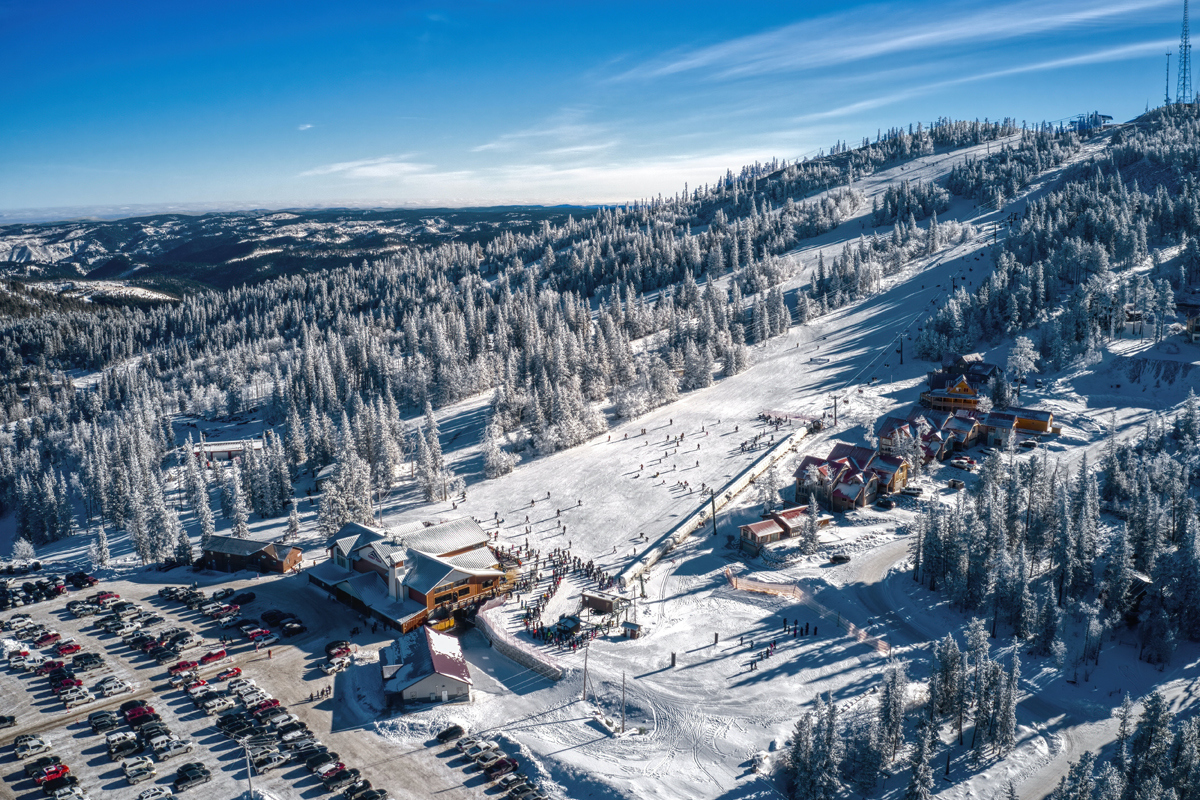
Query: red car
<point>51,772</point>
<point>140,711</point>
<point>47,639</point>
<point>229,674</point>
<point>47,667</point>
<point>213,657</point>
<point>338,767</point>
<point>68,648</point>
<point>182,666</point>
<point>341,651</point>
<point>261,633</point>
<point>104,598</point>
<point>264,705</point>
<point>225,611</point>
<point>65,683</point>
<point>197,684</point>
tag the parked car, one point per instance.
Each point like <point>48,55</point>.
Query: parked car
<point>52,787</point>
<point>50,773</point>
<point>31,746</point>
<point>335,647</point>
<point>912,491</point>
<point>293,628</point>
<point>451,733</point>
<point>229,674</point>
<point>172,748</point>
<point>47,639</point>
<point>269,763</point>
<point>243,599</point>
<point>221,594</point>
<point>38,764</point>
<point>190,775</point>
<point>340,779</point>
<point>839,558</point>
<point>103,721</point>
<point>886,503</point>
<point>335,665</point>
<point>213,657</point>
<point>67,648</point>
<point>501,767</point>
<point>7,721</point>
<point>956,484</point>
<point>155,793</point>
<point>182,666</point>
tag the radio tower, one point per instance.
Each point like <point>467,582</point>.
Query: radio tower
<point>1183,90</point>
<point>1167,101</point>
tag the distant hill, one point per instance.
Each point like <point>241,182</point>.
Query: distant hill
<point>179,252</point>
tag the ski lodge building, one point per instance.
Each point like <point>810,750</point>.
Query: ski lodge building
<point>424,666</point>
<point>850,476</point>
<point>413,574</point>
<point>779,525</point>
<point>231,554</point>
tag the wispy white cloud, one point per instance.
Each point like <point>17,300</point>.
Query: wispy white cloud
<point>568,128</point>
<point>1125,53</point>
<point>871,33</point>
<point>304,126</point>
<point>371,168</point>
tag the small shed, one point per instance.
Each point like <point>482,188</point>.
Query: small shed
<point>602,602</point>
<point>631,630</point>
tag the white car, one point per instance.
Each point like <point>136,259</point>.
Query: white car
<point>112,686</point>
<point>281,719</point>
<point>268,640</point>
<point>172,748</point>
<point>219,704</point>
<point>254,698</point>
<point>76,697</point>
<point>31,746</point>
<point>156,793</point>
<point>335,665</point>
<point>269,763</point>
<point>71,793</point>
<point>239,683</point>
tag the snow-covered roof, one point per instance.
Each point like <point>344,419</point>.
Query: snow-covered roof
<point>446,537</point>
<point>427,572</point>
<point>233,546</point>
<point>479,558</point>
<point>419,654</point>
<point>354,535</point>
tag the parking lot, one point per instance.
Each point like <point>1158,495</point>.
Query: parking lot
<point>286,670</point>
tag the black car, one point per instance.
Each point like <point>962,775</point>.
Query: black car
<point>243,598</point>
<point>273,616</point>
<point>307,752</point>
<point>356,790</point>
<point>126,747</point>
<point>38,764</point>
<point>340,779</point>
<point>886,502</point>
<point>144,719</point>
<point>839,558</point>
<point>104,721</point>
<point>451,733</point>
<point>93,661</point>
<point>320,759</point>
<point>7,721</point>
<point>130,705</point>
<point>293,629</point>
<point>190,775</point>
<point>62,782</point>
<point>233,720</point>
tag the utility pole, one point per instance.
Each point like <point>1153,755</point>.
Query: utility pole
<point>835,411</point>
<point>585,672</point>
<point>713,495</point>
<point>249,780</point>
<point>622,702</point>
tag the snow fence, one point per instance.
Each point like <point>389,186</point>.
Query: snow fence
<point>508,645</point>
<point>674,537</point>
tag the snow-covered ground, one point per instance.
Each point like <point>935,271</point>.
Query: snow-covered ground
<point>696,729</point>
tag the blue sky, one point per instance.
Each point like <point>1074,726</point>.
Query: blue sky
<point>247,104</point>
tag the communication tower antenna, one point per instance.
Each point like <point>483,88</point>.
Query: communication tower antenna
<point>1183,90</point>
<point>1167,101</point>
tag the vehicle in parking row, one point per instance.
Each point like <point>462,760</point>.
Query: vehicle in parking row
<point>191,775</point>
<point>38,764</point>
